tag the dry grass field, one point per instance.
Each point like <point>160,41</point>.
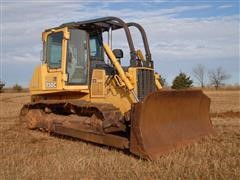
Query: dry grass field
<point>29,154</point>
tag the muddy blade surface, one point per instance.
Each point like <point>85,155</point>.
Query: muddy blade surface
<point>166,120</point>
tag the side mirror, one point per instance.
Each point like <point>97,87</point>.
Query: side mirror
<point>118,53</point>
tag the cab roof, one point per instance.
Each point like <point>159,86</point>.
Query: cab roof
<point>100,24</point>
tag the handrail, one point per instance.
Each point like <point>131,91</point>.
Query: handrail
<point>144,38</point>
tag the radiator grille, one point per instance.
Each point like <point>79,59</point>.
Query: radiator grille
<point>145,83</point>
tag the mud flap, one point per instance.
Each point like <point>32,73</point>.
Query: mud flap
<point>168,119</point>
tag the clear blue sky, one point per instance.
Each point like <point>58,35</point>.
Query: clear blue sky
<point>181,34</point>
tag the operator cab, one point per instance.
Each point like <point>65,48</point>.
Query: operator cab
<point>73,50</point>
<point>81,47</point>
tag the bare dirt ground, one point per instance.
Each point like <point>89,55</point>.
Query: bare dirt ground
<point>27,154</point>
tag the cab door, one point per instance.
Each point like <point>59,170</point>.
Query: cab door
<point>66,57</point>
<point>77,61</point>
<point>55,42</point>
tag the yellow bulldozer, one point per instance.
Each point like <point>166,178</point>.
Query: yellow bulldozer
<point>76,93</point>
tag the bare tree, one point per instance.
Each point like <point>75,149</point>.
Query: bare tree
<point>199,73</point>
<point>217,76</point>
<point>1,85</point>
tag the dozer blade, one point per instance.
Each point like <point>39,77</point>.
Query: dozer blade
<point>169,119</point>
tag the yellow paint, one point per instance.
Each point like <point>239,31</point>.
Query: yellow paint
<point>132,72</point>
<point>36,82</point>
<point>157,81</point>
<point>43,75</point>
<point>118,96</point>
<point>98,83</point>
<point>118,67</point>
<point>140,55</point>
<point>118,81</point>
<point>115,89</point>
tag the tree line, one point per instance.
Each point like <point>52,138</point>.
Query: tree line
<point>214,77</point>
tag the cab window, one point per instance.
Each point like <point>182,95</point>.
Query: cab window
<point>54,50</point>
<point>96,50</point>
<point>77,57</point>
